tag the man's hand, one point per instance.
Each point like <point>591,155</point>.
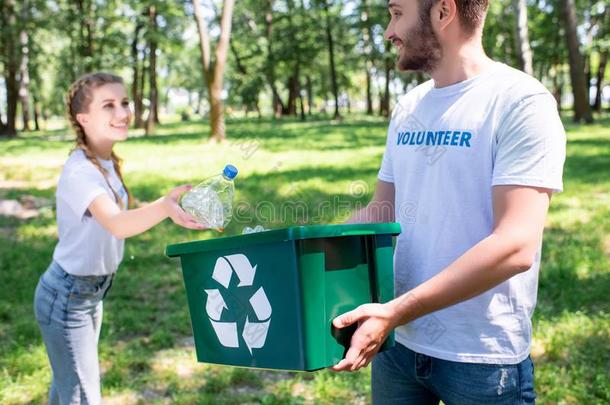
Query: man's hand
<point>375,322</point>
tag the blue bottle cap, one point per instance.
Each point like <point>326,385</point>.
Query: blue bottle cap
<point>230,172</point>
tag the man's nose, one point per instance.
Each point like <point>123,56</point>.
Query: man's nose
<point>388,34</point>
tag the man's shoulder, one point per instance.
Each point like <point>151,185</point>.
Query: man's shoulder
<point>515,85</point>
<point>409,100</point>
<point>415,94</point>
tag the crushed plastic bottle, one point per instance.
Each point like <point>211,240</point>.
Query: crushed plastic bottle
<point>211,201</point>
<point>257,228</point>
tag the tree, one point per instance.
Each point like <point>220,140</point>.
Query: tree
<point>524,52</point>
<point>582,111</point>
<point>153,113</point>
<point>367,35</point>
<point>10,52</point>
<point>138,69</point>
<point>601,71</point>
<point>331,56</point>
<point>600,14</point>
<point>213,71</point>
<point>24,75</point>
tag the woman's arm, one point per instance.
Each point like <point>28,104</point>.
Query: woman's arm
<point>124,224</point>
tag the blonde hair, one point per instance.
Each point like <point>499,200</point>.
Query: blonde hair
<point>78,99</point>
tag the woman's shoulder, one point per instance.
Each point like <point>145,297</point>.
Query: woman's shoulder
<point>77,164</point>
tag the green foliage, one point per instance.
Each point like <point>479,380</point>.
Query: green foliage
<point>279,44</point>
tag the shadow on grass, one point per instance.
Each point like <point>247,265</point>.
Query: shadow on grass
<point>24,259</point>
<point>588,169</point>
<point>284,136</point>
<point>261,201</point>
<point>575,273</point>
<point>146,310</point>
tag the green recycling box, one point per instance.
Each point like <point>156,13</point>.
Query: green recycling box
<point>268,299</point>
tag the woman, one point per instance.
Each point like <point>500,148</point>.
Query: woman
<point>93,220</point>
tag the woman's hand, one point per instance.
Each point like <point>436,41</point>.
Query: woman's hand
<point>176,213</point>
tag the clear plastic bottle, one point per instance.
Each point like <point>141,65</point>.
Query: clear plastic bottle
<point>211,201</point>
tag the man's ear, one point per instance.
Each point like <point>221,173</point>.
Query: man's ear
<point>82,118</point>
<point>444,13</point>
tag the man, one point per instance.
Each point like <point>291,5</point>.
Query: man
<point>471,160</point>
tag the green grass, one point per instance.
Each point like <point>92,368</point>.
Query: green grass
<point>145,352</point>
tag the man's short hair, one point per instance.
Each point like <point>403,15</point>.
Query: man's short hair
<point>470,12</point>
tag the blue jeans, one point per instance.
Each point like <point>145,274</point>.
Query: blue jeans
<point>402,376</point>
<point>69,311</point>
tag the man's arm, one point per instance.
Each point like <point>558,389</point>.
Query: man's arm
<point>519,213</point>
<point>379,209</point>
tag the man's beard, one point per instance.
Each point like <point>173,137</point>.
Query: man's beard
<point>421,50</point>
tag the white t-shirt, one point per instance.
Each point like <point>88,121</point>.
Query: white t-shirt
<point>446,148</point>
<point>85,248</point>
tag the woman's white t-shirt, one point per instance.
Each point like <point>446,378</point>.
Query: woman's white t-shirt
<point>85,248</point>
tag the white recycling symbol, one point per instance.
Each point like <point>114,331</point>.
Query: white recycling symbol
<point>255,332</point>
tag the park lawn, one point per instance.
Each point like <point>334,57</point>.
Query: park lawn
<point>145,349</point>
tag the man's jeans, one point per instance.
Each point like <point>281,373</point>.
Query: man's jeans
<point>402,376</point>
<point>69,312</point>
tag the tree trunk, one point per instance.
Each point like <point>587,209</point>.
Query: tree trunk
<point>152,73</point>
<point>199,99</point>
<point>587,60</point>
<point>524,52</point>
<point>214,77</point>
<point>601,71</point>
<point>276,100</point>
<point>36,111</point>
<point>385,103</point>
<point>309,89</point>
<point>369,96</point>
<point>11,56</point>
<point>12,97</point>
<point>331,54</point>
<point>293,93</point>
<point>293,81</point>
<point>302,106</point>
<point>557,86</point>
<point>582,111</point>
<point>135,85</point>
<point>86,18</point>
<point>24,82</point>
<point>216,101</point>
<point>369,60</point>
<point>204,44</point>
<point>140,123</point>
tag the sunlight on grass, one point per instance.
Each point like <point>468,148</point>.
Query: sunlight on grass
<point>22,378</point>
<point>571,356</point>
<point>143,353</point>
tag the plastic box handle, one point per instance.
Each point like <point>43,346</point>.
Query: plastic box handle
<point>357,233</point>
